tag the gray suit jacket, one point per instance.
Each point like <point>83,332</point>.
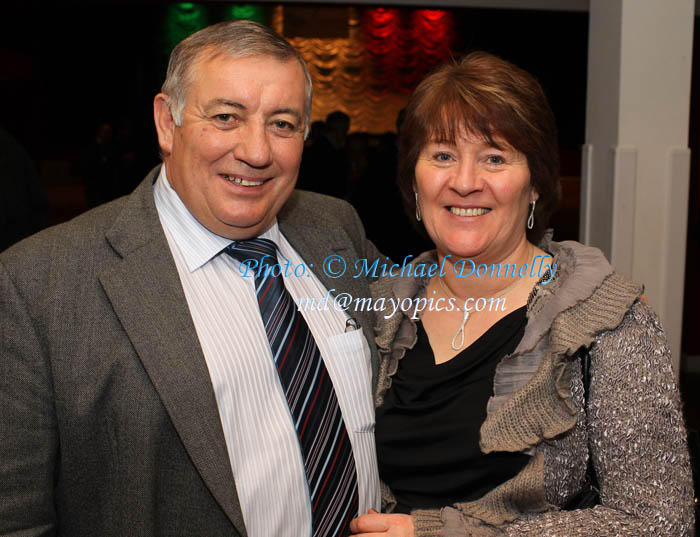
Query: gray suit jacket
<point>108,421</point>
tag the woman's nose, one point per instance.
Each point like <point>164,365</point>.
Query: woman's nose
<point>468,178</point>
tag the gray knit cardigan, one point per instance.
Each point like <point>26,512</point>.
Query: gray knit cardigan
<point>634,425</point>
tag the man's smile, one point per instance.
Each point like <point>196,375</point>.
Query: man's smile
<point>241,181</point>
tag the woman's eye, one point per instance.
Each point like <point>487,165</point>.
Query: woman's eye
<point>495,159</point>
<point>443,157</point>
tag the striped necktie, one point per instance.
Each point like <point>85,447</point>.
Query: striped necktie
<point>324,441</point>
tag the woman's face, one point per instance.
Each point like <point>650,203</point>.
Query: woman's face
<point>474,198</point>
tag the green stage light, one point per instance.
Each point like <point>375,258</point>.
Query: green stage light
<point>248,12</point>
<point>181,20</point>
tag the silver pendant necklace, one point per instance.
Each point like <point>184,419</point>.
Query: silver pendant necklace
<point>458,338</point>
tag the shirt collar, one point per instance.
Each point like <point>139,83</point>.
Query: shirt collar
<point>197,244</point>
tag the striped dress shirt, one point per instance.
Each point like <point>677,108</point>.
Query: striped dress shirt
<point>260,436</point>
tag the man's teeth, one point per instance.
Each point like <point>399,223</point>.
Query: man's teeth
<point>239,181</point>
<point>459,211</point>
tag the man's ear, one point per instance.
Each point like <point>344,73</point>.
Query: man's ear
<point>165,123</point>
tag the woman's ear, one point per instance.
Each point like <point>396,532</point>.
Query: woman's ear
<point>165,123</point>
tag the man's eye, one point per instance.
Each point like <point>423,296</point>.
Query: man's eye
<point>284,125</point>
<point>224,118</point>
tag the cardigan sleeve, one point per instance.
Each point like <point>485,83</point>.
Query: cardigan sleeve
<point>637,440</point>
<point>638,444</point>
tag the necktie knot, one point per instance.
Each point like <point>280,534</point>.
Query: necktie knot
<point>256,254</point>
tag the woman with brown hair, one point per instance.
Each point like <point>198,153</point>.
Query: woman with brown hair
<point>483,425</point>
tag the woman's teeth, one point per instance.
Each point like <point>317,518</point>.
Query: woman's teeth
<point>459,211</point>
<point>239,181</point>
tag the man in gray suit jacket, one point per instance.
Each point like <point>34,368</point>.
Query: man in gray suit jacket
<point>138,395</point>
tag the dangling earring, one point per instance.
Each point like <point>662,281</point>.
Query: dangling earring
<point>531,218</point>
<point>417,207</point>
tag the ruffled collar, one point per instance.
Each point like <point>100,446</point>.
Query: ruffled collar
<point>580,271</point>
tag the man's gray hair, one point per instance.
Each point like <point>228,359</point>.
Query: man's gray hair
<point>239,39</point>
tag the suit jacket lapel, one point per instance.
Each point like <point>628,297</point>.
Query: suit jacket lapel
<point>145,291</point>
<point>298,225</point>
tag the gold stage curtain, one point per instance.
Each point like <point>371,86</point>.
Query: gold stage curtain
<point>370,74</point>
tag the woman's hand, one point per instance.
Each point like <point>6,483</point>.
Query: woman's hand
<point>374,524</point>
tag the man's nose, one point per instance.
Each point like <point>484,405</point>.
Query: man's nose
<point>253,147</point>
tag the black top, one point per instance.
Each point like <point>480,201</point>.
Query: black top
<point>427,429</point>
